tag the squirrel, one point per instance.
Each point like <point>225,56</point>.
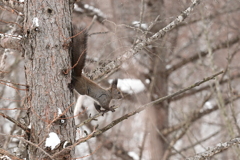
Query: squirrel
<point>82,84</point>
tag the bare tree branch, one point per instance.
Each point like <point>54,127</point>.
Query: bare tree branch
<point>194,91</point>
<point>141,148</point>
<point>4,152</point>
<point>10,41</point>
<point>101,71</point>
<point>119,151</point>
<point>220,147</point>
<point>198,142</point>
<point>174,140</point>
<point>14,4</point>
<point>196,56</point>
<point>126,116</point>
<point>25,128</point>
<point>220,12</point>
<point>195,116</point>
<point>90,11</point>
<point>29,142</point>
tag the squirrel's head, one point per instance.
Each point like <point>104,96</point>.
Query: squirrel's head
<point>116,93</point>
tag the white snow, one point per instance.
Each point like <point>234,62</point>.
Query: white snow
<point>133,155</point>
<point>86,6</point>
<point>180,18</point>
<point>137,23</point>
<point>147,81</point>
<point>77,8</point>
<point>5,157</point>
<point>168,66</point>
<point>208,105</point>
<point>35,22</point>
<point>52,141</point>
<point>131,85</point>
<point>59,111</point>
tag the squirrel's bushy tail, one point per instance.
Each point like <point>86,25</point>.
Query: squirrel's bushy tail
<point>79,50</point>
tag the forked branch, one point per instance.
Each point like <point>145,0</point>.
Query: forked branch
<point>108,67</point>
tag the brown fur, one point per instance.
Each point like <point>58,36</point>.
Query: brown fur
<point>85,86</point>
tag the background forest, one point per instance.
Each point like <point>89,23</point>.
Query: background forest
<point>198,123</point>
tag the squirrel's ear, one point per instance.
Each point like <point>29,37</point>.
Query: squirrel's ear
<point>114,83</point>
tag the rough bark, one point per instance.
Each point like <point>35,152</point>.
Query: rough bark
<point>47,28</point>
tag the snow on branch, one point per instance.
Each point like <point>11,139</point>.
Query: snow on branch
<point>90,11</point>
<point>108,67</point>
<point>215,150</point>
<point>219,12</point>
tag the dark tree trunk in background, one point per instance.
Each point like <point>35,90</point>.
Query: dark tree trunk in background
<point>47,27</point>
<point>158,114</point>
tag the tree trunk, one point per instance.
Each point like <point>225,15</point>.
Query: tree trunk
<point>158,114</point>
<point>47,28</point>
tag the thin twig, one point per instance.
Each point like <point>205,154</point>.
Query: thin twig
<point>4,152</point>
<point>29,142</point>
<point>93,118</point>
<point>192,92</point>
<point>215,150</point>
<point>18,84</point>
<point>14,4</point>
<point>25,128</point>
<point>195,116</point>
<point>197,143</point>
<point>99,72</point>
<point>126,116</point>
<point>196,56</point>
<point>141,14</point>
